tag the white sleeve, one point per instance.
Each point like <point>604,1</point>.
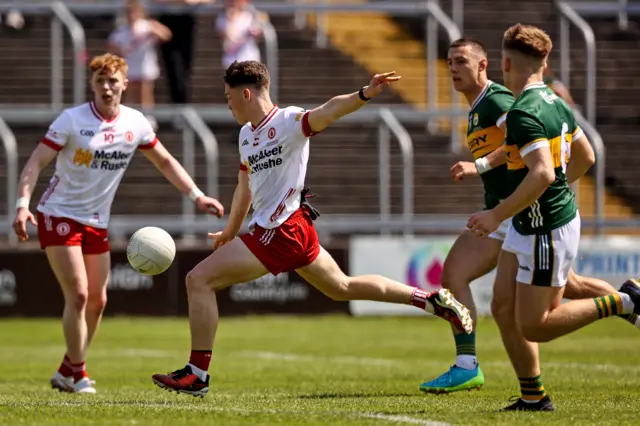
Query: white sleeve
<point>297,121</point>
<point>147,138</point>
<point>243,140</point>
<point>59,132</point>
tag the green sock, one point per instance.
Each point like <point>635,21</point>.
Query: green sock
<point>608,306</point>
<point>631,318</point>
<point>532,389</point>
<point>465,344</point>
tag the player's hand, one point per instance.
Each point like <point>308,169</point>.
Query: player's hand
<point>463,169</point>
<point>219,239</point>
<point>379,82</point>
<point>210,205</point>
<point>20,223</point>
<point>483,223</point>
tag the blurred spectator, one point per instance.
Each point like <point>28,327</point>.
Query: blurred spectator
<point>178,53</point>
<point>135,40</point>
<point>14,20</point>
<point>557,86</point>
<point>240,29</point>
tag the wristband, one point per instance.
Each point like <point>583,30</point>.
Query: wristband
<point>482,164</point>
<point>362,96</point>
<point>195,193</point>
<point>22,203</point>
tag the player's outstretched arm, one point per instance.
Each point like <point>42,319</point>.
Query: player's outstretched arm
<point>582,158</point>
<point>178,176</point>
<point>40,157</point>
<point>322,116</point>
<point>239,209</point>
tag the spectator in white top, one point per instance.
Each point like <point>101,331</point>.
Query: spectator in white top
<point>239,27</point>
<point>136,41</point>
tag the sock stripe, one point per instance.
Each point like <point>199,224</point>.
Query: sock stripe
<point>609,305</point>
<point>532,389</point>
<point>539,392</point>
<point>617,303</point>
<point>598,305</point>
<point>465,344</point>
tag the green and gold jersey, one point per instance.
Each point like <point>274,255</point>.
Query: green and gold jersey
<point>484,137</point>
<point>539,119</point>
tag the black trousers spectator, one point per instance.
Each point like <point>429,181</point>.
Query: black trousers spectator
<point>178,55</point>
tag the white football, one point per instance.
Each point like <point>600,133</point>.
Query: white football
<point>151,250</point>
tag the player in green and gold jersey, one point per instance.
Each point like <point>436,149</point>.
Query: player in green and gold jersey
<point>541,244</point>
<point>472,257</point>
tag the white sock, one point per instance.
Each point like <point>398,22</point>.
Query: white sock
<point>627,303</point>
<point>466,362</point>
<point>198,372</point>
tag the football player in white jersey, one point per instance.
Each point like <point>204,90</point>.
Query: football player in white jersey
<point>94,144</point>
<point>274,149</point>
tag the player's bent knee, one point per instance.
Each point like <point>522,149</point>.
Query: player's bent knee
<point>452,280</point>
<point>197,281</point>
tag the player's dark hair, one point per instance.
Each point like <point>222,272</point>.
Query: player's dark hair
<point>247,73</point>
<point>467,41</point>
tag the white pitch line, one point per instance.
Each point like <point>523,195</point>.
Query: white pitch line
<point>313,358</point>
<point>403,419</point>
<point>393,418</point>
<point>277,356</point>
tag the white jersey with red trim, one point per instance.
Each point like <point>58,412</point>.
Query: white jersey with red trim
<point>275,155</point>
<point>93,154</point>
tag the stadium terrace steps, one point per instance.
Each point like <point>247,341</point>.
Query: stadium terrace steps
<point>378,44</point>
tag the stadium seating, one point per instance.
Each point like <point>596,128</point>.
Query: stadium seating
<point>343,167</point>
<point>344,162</point>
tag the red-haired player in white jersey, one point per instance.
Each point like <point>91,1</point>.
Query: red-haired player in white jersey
<point>94,144</point>
<point>274,149</point>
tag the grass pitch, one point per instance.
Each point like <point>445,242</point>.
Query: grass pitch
<point>332,370</point>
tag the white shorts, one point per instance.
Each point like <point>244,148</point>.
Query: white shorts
<point>501,233</point>
<point>545,259</point>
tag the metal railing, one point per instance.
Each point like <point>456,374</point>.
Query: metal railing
<point>390,124</point>
<point>437,16</point>
<point>195,125</point>
<point>11,151</point>
<point>569,15</point>
<point>195,118</point>
<point>457,13</point>
<point>63,16</point>
<point>600,152</point>
<point>615,8</point>
<point>623,16</point>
